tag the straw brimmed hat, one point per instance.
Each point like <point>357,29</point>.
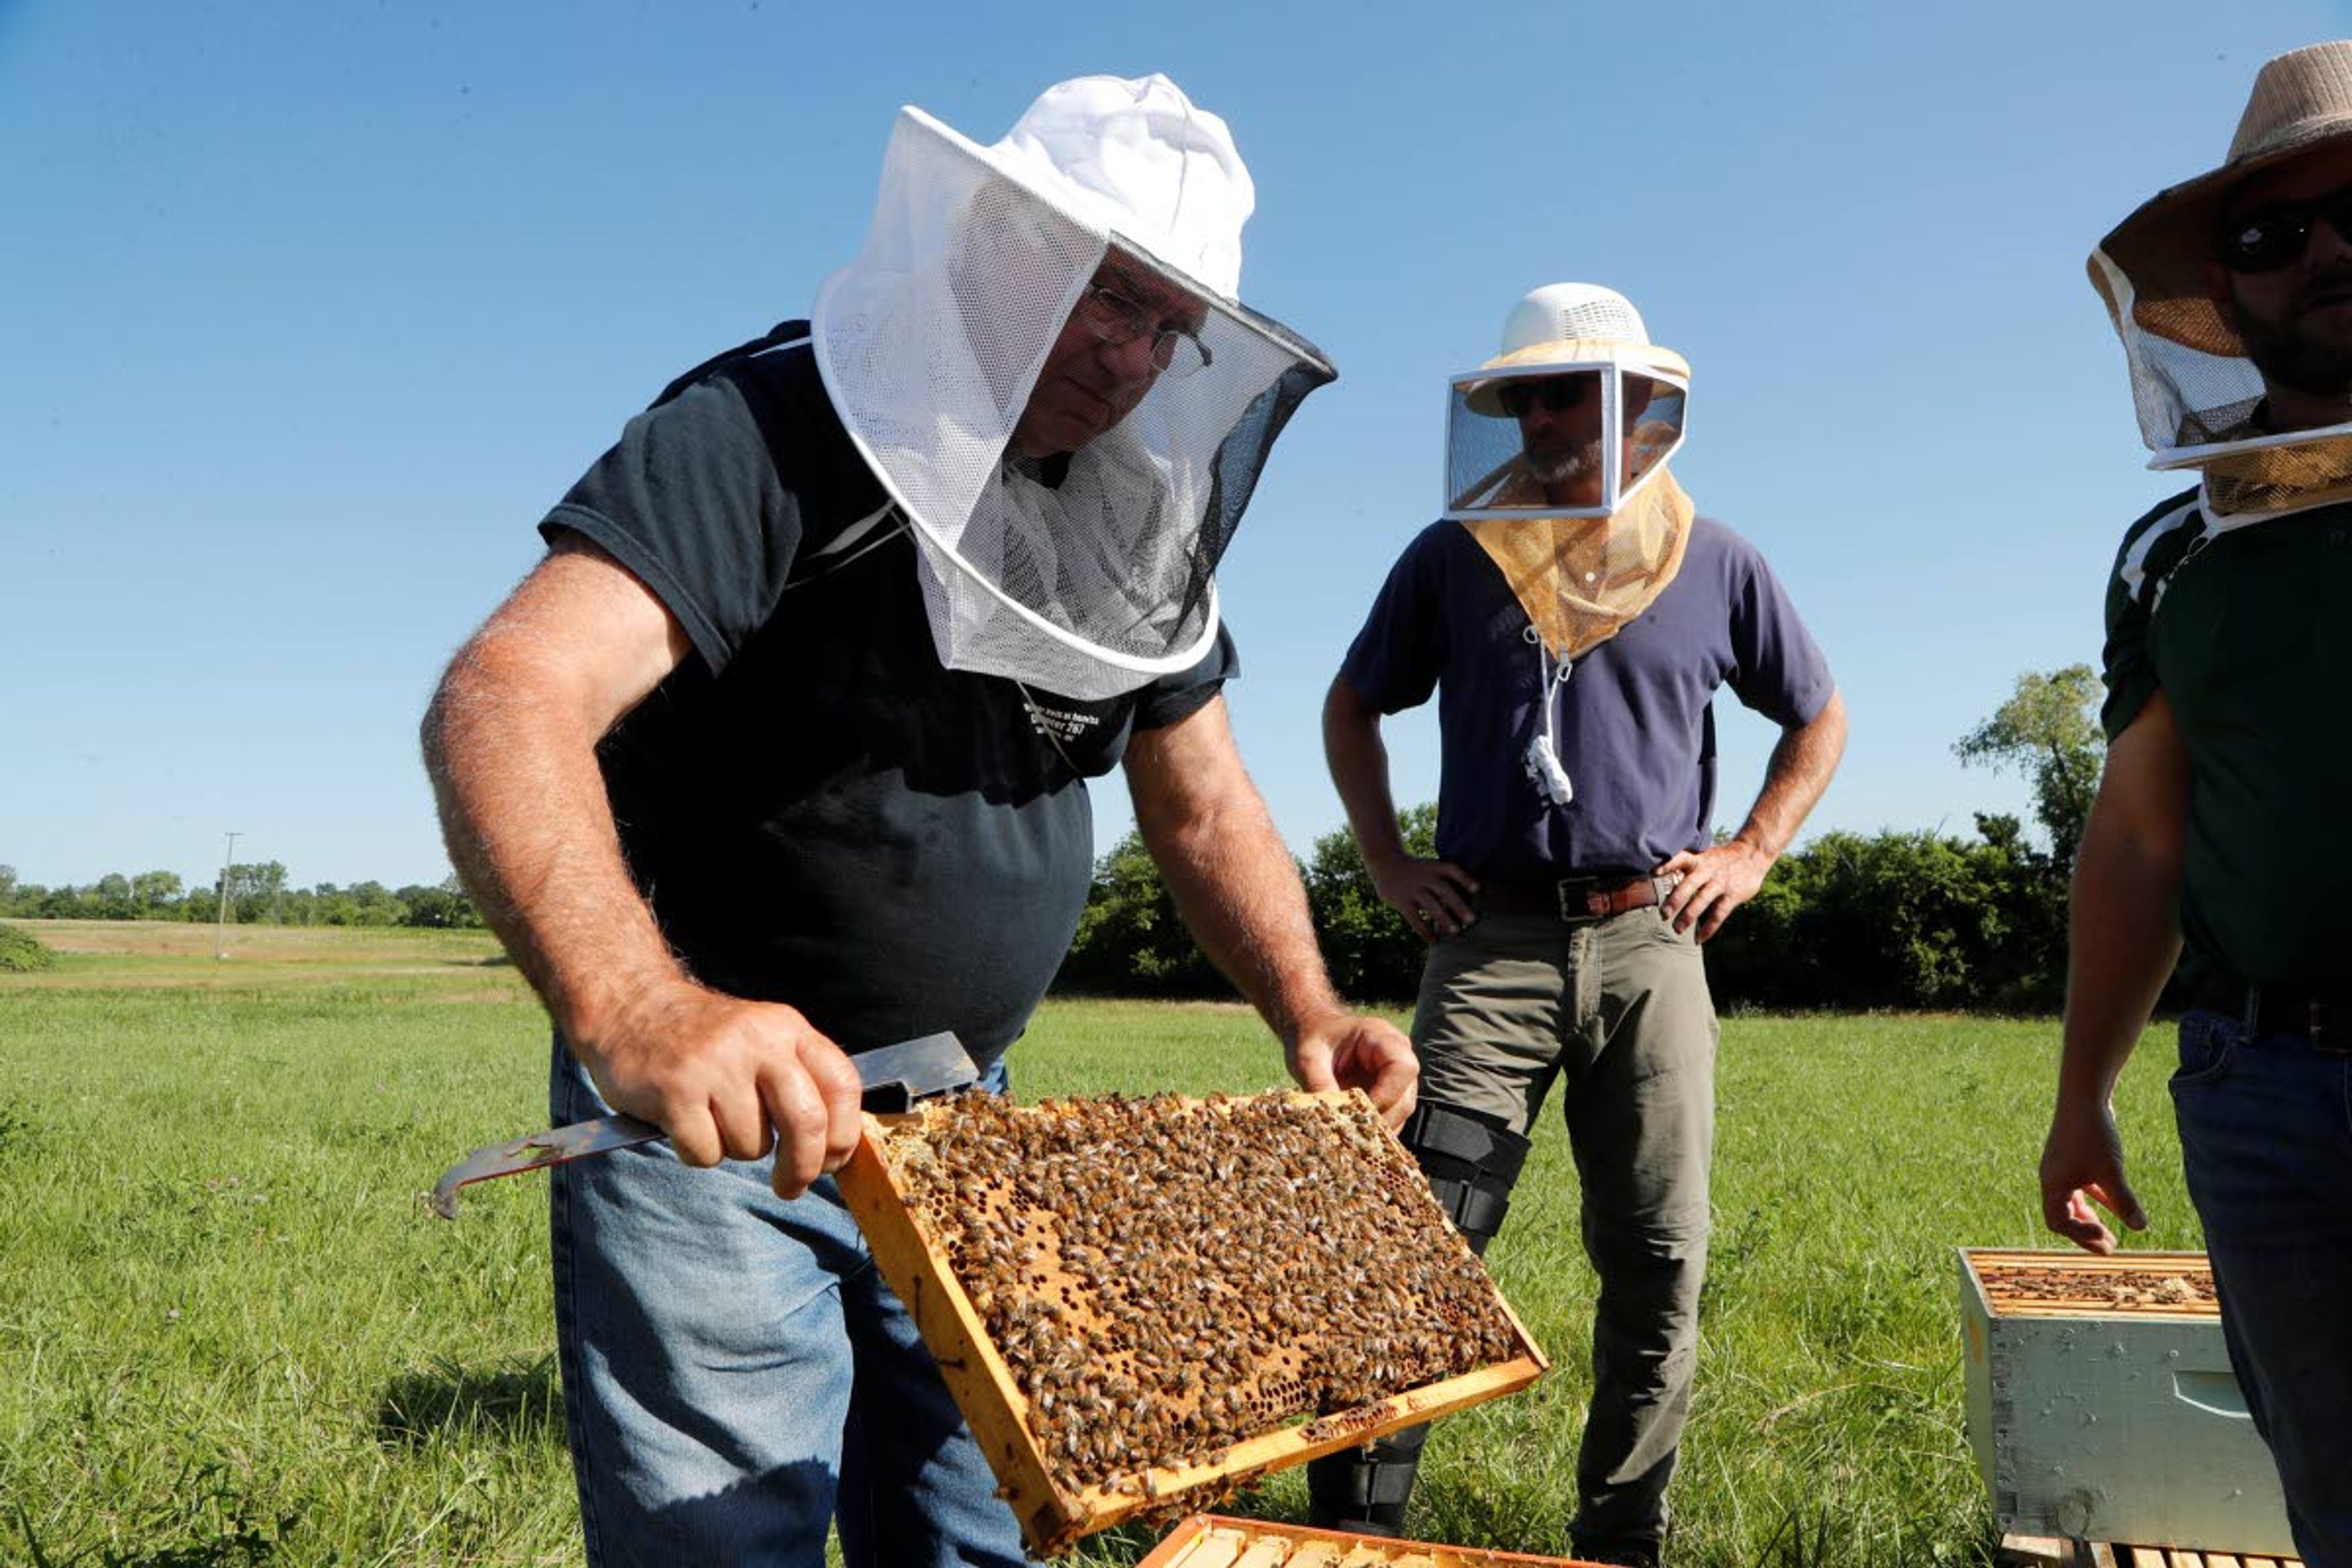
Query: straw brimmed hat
<point>1565,323</point>
<point>2301,100</point>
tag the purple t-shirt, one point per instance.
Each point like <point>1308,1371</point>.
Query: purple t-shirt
<point>1633,724</point>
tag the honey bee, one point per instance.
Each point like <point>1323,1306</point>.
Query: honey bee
<point>1166,1279</point>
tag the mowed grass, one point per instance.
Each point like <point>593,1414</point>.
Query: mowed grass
<point>230,1333</point>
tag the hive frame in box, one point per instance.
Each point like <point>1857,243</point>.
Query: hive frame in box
<point>1052,1517</point>
<point>1212,1541</point>
<point>2100,1422</point>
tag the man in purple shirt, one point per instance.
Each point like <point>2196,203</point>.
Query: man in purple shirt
<point>1575,616</point>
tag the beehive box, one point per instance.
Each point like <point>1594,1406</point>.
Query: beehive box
<point>2101,1404</point>
<point>1140,1304</point>
<point>1208,1541</point>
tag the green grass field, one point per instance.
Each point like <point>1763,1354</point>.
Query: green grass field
<point>231,1334</point>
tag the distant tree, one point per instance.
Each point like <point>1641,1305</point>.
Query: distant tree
<point>442,907</point>
<point>1370,952</point>
<point>1130,940</point>
<point>2027,948</point>
<point>66,903</point>
<point>1899,920</point>
<point>110,897</point>
<point>7,887</point>
<point>372,904</point>
<point>2049,730</point>
<point>155,894</point>
<point>256,891</point>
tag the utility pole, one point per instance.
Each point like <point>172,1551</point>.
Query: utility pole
<point>220,923</point>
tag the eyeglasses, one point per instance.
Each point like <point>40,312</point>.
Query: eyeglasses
<point>1556,393</point>
<point>2275,236</point>
<point>1115,319</point>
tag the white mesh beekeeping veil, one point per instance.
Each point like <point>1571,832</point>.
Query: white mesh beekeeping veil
<point>2199,399</point>
<point>1556,458</point>
<point>2197,396</point>
<point>1087,261</point>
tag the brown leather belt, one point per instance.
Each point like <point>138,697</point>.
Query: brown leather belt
<point>1593,898</point>
<point>2321,1014</point>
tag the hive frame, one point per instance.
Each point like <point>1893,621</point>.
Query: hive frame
<point>1053,1518</point>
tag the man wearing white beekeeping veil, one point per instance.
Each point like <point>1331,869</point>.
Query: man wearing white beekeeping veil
<point>1575,616</point>
<point>781,754</point>
<point>2215,841</point>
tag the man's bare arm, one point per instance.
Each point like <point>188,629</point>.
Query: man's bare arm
<point>509,743</point>
<point>2123,939</point>
<point>1434,896</point>
<point>1238,890</point>
<point>1719,878</point>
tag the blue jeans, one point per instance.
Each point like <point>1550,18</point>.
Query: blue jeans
<point>737,1376</point>
<point>2266,1137</point>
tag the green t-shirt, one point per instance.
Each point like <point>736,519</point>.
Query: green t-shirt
<point>2247,629</point>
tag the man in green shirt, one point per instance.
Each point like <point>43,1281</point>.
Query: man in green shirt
<point>2218,822</point>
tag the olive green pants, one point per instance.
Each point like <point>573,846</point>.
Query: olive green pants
<point>1617,1013</point>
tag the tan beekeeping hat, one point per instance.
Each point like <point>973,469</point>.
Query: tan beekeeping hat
<point>2301,100</point>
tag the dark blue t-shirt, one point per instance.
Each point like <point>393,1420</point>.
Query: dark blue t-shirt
<point>1633,724</point>
<point>817,811</point>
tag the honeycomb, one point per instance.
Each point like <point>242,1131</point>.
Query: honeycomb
<point>2068,1282</point>
<point>1167,1277</point>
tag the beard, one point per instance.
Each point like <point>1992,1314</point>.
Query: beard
<point>1558,464</point>
<point>2289,353</point>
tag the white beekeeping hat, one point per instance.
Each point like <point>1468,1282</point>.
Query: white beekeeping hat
<point>1573,422</point>
<point>1092,572</point>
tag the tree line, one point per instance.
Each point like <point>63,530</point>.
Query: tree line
<point>1893,920</point>
<point>257,894</point>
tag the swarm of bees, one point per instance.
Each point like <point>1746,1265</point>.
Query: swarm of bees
<point>1166,1277</point>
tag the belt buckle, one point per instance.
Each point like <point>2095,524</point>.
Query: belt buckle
<point>2325,1034</point>
<point>1575,894</point>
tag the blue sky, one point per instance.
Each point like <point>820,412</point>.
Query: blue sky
<point>309,312</point>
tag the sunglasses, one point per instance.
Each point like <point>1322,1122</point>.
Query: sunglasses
<point>2274,236</point>
<point>1556,393</point>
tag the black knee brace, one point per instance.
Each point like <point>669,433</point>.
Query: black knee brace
<point>1364,1490</point>
<point>1472,1163</point>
